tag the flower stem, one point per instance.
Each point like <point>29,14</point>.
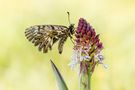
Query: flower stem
<point>84,79</point>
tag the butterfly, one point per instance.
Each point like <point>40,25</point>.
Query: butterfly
<point>45,36</point>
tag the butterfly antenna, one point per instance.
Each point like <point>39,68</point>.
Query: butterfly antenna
<point>69,17</point>
<point>70,24</point>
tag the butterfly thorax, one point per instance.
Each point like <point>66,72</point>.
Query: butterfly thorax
<point>71,30</point>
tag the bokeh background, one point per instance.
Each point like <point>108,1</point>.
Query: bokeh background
<point>22,67</point>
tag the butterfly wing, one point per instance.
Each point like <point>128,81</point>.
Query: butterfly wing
<point>44,36</point>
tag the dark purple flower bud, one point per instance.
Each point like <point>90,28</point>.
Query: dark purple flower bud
<point>77,40</point>
<point>85,26</point>
<point>78,31</point>
<point>100,45</point>
<point>89,33</point>
<point>77,35</point>
<point>92,39</point>
<point>83,31</point>
<point>81,20</point>
<point>88,27</point>
<point>80,24</point>
<point>93,32</point>
<point>79,28</point>
<point>97,38</point>
<point>97,41</point>
<point>87,37</point>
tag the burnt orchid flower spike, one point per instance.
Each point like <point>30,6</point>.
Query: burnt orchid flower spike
<point>86,52</point>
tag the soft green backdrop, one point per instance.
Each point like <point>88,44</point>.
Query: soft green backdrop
<point>22,67</point>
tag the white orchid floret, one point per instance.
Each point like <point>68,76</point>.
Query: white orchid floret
<point>100,59</point>
<point>75,59</point>
<point>78,56</point>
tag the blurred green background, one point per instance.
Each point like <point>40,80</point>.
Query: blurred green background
<point>22,67</point>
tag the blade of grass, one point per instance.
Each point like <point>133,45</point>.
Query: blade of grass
<point>60,81</point>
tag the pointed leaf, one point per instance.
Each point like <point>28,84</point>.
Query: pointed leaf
<point>60,81</point>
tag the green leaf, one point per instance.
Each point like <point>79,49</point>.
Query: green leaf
<point>60,81</point>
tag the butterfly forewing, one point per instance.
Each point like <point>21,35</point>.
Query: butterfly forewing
<point>44,36</point>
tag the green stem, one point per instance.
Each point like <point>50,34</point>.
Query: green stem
<point>84,80</point>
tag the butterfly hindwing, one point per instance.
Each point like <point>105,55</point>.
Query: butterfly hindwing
<point>61,43</point>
